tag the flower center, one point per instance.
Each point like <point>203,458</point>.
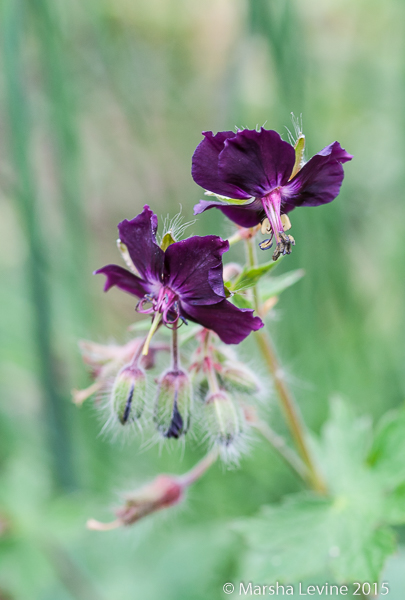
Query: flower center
<point>165,302</point>
<point>272,207</point>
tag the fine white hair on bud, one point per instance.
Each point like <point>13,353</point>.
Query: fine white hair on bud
<point>128,394</point>
<point>175,226</point>
<point>224,422</point>
<point>239,378</point>
<point>173,404</point>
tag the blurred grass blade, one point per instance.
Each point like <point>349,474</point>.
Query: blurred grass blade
<point>14,22</point>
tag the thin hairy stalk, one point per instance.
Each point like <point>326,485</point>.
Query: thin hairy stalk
<point>199,469</point>
<point>209,371</point>
<point>175,349</point>
<point>279,444</point>
<point>288,404</point>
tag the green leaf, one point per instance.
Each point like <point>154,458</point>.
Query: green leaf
<point>251,275</point>
<point>241,301</point>
<point>394,510</point>
<point>306,535</point>
<point>346,535</point>
<point>275,285</point>
<point>387,455</point>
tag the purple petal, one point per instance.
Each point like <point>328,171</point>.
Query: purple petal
<point>256,161</point>
<point>204,165</point>
<point>194,269</point>
<point>248,215</point>
<point>123,279</point>
<point>232,324</point>
<point>139,235</point>
<point>319,181</point>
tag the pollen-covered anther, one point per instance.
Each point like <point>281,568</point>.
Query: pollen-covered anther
<point>284,245</point>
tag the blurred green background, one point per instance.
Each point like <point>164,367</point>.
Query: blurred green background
<point>102,105</point>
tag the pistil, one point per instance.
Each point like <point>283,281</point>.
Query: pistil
<point>272,207</point>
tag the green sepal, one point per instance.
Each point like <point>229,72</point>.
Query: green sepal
<point>232,201</point>
<point>167,240</point>
<point>228,292</point>
<point>299,155</point>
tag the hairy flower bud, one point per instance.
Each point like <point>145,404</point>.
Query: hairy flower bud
<point>173,404</point>
<point>224,418</point>
<point>128,394</point>
<point>239,378</point>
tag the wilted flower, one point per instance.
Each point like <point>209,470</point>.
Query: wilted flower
<point>162,492</point>
<point>258,176</point>
<point>183,282</point>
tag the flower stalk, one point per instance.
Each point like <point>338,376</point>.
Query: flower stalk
<point>279,444</point>
<point>288,404</point>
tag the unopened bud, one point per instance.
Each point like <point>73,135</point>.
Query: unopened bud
<point>173,404</point>
<point>128,394</point>
<point>224,418</point>
<point>239,378</point>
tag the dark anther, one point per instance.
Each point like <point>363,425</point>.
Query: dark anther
<point>284,246</point>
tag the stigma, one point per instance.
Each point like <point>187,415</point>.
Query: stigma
<point>166,303</point>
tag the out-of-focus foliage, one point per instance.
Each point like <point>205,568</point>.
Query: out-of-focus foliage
<point>346,537</point>
<point>102,105</point>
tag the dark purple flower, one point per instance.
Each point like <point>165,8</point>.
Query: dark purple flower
<point>265,178</point>
<point>183,282</point>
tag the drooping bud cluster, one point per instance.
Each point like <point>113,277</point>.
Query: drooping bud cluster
<point>223,384</point>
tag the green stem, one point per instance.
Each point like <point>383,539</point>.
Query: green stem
<point>210,372</point>
<point>279,444</point>
<point>200,468</point>
<point>290,409</point>
<point>175,349</point>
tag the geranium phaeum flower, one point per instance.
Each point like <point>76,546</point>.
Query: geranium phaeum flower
<point>257,175</point>
<point>183,282</point>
